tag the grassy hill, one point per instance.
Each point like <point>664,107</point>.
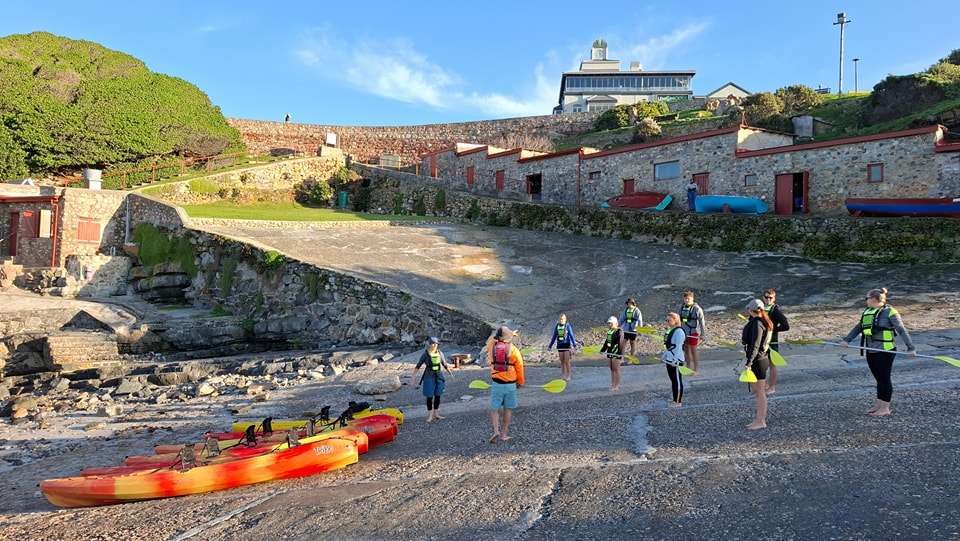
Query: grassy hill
<point>68,103</point>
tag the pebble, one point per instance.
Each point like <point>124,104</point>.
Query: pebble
<point>110,410</point>
<point>466,397</point>
<point>59,384</point>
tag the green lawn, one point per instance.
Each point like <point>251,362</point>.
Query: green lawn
<point>291,212</point>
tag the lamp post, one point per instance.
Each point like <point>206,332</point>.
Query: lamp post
<point>842,20</point>
<point>856,75</point>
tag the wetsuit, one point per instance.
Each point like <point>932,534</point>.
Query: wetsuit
<point>877,329</point>
<point>780,324</point>
<point>756,344</point>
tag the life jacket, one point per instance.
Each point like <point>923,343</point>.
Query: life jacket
<point>435,361</point>
<point>688,317</point>
<point>630,315</point>
<point>612,347</point>
<point>668,339</point>
<point>870,327</point>
<point>561,333</point>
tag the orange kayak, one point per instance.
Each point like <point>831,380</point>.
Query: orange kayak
<point>300,461</point>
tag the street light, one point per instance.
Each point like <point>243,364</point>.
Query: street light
<point>856,75</point>
<point>842,20</point>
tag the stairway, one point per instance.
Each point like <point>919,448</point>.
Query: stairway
<point>71,351</point>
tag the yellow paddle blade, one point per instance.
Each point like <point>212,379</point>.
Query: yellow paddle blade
<point>747,376</point>
<point>806,341</point>
<point>479,384</point>
<point>684,371</point>
<point>949,360</point>
<point>555,386</point>
<point>590,349</point>
<point>647,330</point>
<point>727,343</point>
<point>777,359</point>
<point>631,359</point>
<point>743,317</point>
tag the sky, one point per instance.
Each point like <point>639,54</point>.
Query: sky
<point>400,62</point>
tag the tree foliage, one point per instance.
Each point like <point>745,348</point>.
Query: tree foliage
<point>313,191</point>
<point>13,164</point>
<point>765,110</point>
<point>798,99</point>
<point>611,119</point>
<point>74,103</point>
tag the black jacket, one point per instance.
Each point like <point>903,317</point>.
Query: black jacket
<point>755,339</point>
<point>780,323</point>
<point>614,349</point>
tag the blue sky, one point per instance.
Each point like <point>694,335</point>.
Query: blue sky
<point>403,62</point>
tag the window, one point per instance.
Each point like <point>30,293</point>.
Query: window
<point>88,230</point>
<point>593,175</point>
<point>875,172</point>
<point>628,186</point>
<point>470,172</point>
<point>750,180</point>
<point>577,109</point>
<point>666,170</point>
<point>501,181</point>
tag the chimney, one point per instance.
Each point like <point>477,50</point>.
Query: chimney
<point>636,66</point>
<point>91,178</point>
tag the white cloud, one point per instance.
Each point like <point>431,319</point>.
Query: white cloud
<point>395,69</point>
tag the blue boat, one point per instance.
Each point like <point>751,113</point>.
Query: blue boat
<point>736,203</point>
<point>944,206</point>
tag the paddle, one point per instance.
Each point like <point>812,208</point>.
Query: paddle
<point>743,317</point>
<point>593,350</point>
<point>949,360</point>
<point>553,386</point>
<point>776,359</point>
<point>650,331</point>
<point>747,376</point>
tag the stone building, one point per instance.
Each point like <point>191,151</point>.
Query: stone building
<point>600,84</point>
<point>743,160</point>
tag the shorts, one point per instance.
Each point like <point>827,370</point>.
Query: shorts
<point>693,340</point>
<point>629,336</point>
<point>503,395</point>
<point>760,367</point>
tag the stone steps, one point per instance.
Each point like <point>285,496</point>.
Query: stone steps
<point>81,350</point>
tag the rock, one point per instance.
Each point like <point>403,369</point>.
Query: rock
<point>386,357</point>
<point>205,389</point>
<point>161,399</point>
<point>94,426</point>
<point>255,389</point>
<point>333,370</point>
<point>380,398</point>
<point>19,414</point>
<point>25,404</point>
<point>59,385</point>
<point>128,386</point>
<point>110,410</point>
<point>316,375</point>
<point>4,392</point>
<point>372,362</point>
<point>466,397</point>
<point>262,397</point>
<point>378,386</point>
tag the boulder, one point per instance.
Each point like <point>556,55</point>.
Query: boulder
<point>59,385</point>
<point>205,389</point>
<point>127,387</point>
<point>25,404</point>
<point>333,370</point>
<point>259,388</point>
<point>110,410</point>
<point>378,386</point>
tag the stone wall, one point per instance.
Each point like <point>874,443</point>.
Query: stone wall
<point>106,208</point>
<point>367,143</point>
<point>948,165</point>
<point>144,208</point>
<point>269,181</point>
<point>842,238</point>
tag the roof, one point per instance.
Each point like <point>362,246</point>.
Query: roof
<point>628,72</point>
<point>729,83</point>
<point>667,141</point>
<point>841,141</point>
<point>600,98</point>
<point>550,155</point>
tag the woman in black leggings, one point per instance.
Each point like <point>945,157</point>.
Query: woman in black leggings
<point>879,324</point>
<point>673,357</point>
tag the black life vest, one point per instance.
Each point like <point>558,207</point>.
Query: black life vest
<point>561,333</point>
<point>668,339</point>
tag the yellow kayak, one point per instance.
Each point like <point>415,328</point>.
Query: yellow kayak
<point>291,424</point>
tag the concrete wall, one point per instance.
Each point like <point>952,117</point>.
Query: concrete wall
<point>367,143</point>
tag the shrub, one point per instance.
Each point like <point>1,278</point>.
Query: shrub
<point>361,201</point>
<point>75,103</point>
<point>473,213</point>
<point>202,145</point>
<point>420,206</point>
<point>647,130</point>
<point>649,109</point>
<point>765,110</point>
<point>13,160</point>
<point>440,201</point>
<point>611,119</point>
<point>204,186</point>
<point>157,247</point>
<point>313,191</point>
<point>952,58</point>
<point>798,99</point>
<point>945,71</point>
<point>398,203</point>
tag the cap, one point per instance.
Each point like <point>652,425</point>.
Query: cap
<point>613,320</point>
<point>754,305</point>
<point>433,340</point>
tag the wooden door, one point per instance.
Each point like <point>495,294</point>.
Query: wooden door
<point>471,171</point>
<point>628,186</point>
<point>703,183</point>
<point>433,165</point>
<point>783,194</point>
<point>500,180</point>
<point>806,192</point>
<point>14,228</point>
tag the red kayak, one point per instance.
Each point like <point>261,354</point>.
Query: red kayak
<point>637,200</point>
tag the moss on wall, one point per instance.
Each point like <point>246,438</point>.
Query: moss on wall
<point>157,247</point>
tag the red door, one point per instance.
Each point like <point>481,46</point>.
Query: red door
<point>14,227</point>
<point>501,184</point>
<point>433,165</point>
<point>628,186</point>
<point>783,194</point>
<point>703,183</point>
<point>471,171</point>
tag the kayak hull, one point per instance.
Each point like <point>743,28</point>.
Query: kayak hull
<point>290,424</point>
<point>637,200</point>
<point>942,207</point>
<point>300,461</point>
<point>736,203</point>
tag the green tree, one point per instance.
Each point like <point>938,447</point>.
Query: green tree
<point>647,130</point>
<point>952,58</point>
<point>13,160</point>
<point>765,110</point>
<point>313,191</point>
<point>611,119</point>
<point>650,109</point>
<point>798,99</point>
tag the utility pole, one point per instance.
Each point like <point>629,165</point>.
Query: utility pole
<point>856,75</point>
<point>841,20</point>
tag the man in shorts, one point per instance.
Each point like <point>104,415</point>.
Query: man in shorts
<point>506,372</point>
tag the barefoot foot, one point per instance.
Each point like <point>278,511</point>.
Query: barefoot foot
<point>505,438</point>
<point>494,437</point>
<point>756,426</point>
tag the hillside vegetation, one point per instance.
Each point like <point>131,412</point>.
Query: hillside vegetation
<point>67,103</point>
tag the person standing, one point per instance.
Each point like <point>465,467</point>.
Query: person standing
<point>506,371</point>
<point>780,324</point>
<point>673,357</point>
<point>692,196</point>
<point>432,380</point>
<point>879,325</point>
<point>691,319</point>
<point>630,319</point>
<point>613,347</point>
<point>566,343</point>
<point>756,337</point>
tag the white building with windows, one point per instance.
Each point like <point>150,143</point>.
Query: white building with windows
<point>600,84</point>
